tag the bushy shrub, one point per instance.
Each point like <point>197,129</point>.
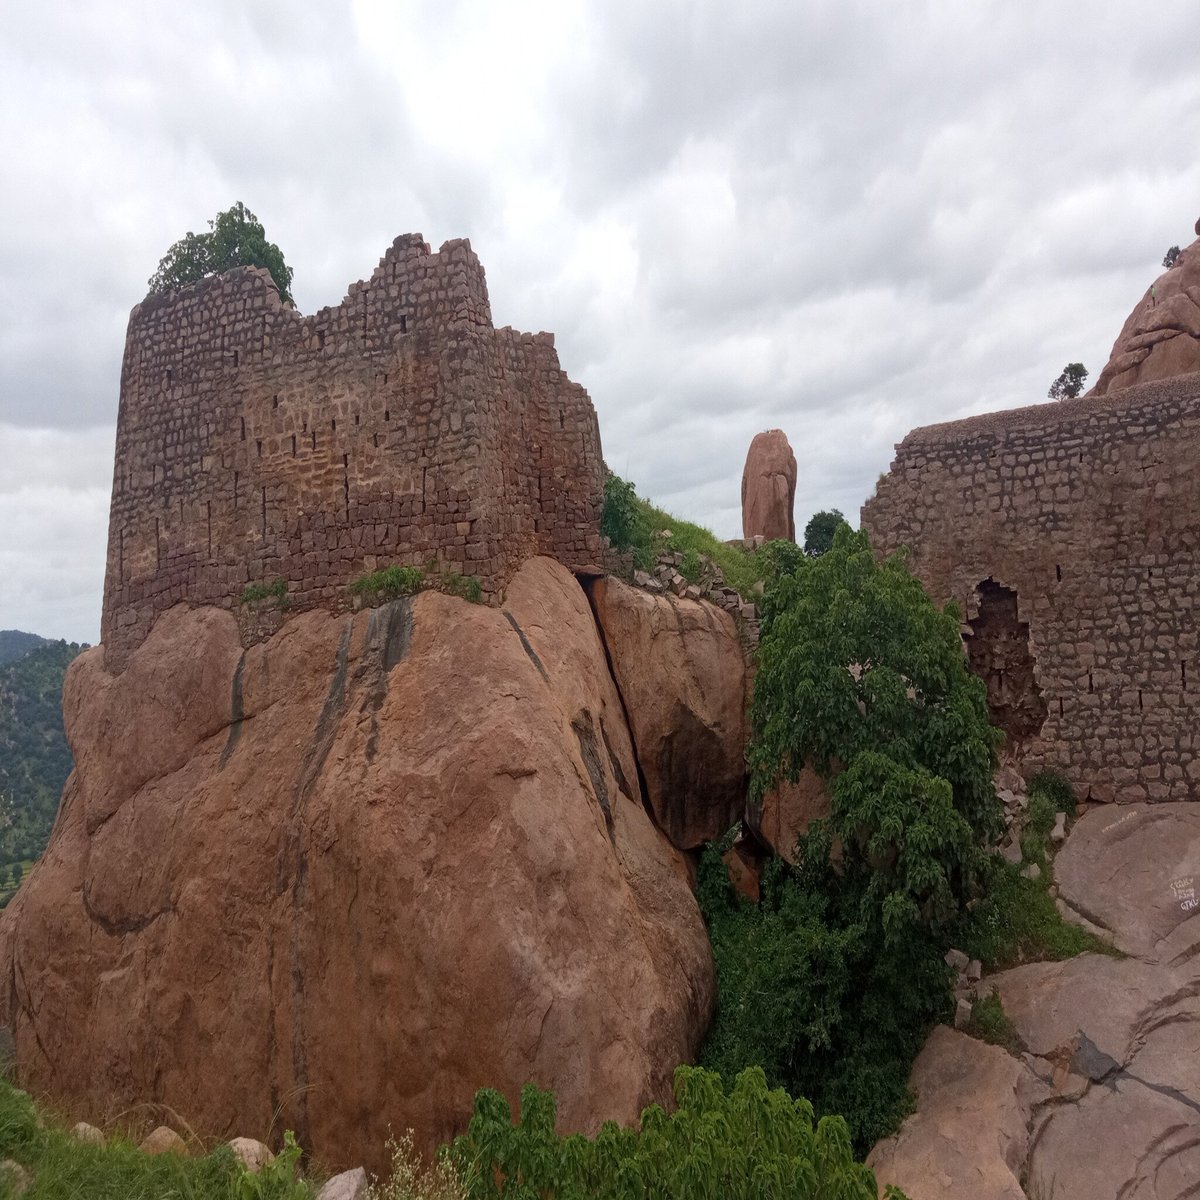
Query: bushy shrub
<point>1055,788</point>
<point>621,517</point>
<point>747,1143</point>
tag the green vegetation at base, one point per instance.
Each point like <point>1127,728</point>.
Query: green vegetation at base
<point>633,524</point>
<point>747,1143</point>
<point>35,759</point>
<point>831,982</point>
<point>252,593</point>
<point>64,1168</point>
<point>395,581</point>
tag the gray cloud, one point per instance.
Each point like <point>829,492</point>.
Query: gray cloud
<point>842,219</point>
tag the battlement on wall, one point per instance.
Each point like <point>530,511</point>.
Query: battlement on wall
<point>1069,535</point>
<point>255,444</point>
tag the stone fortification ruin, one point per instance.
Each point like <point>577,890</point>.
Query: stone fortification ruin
<point>1069,535</point>
<point>255,444</point>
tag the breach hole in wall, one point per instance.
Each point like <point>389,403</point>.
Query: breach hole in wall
<point>1000,655</point>
<point>1141,705</point>
<point>258,446</point>
<point>320,339</point>
<point>274,401</point>
<point>293,445</point>
<point>237,358</point>
<point>333,424</point>
<point>1058,572</point>
<point>243,429</point>
<point>168,377</point>
<point>403,323</point>
<point>1183,675</point>
<point>387,412</point>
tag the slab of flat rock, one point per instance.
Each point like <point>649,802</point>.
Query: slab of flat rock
<point>969,1137</point>
<point>1135,870</point>
<point>349,1185</point>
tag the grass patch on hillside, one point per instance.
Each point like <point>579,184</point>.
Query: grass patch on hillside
<point>633,524</point>
<point>990,1023</point>
<point>63,1168</point>
<point>1017,920</point>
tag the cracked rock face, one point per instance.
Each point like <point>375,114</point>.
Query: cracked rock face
<point>1161,337</point>
<point>1108,1081</point>
<point>358,872</point>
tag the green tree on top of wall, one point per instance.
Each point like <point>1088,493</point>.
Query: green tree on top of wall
<point>1070,383</point>
<point>235,238</point>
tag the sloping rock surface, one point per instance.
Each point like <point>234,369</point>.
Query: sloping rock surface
<point>357,872</point>
<point>1161,337</point>
<point>682,675</point>
<point>1109,1078</point>
<point>969,1136</point>
<point>769,487</point>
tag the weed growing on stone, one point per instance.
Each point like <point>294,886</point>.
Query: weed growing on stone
<point>254,592</point>
<point>388,584</point>
<point>466,587</point>
<point>413,1179</point>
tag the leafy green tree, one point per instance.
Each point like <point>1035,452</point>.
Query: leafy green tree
<point>831,982</point>
<point>1070,383</point>
<point>819,532</point>
<point>235,238</point>
<point>1170,257</point>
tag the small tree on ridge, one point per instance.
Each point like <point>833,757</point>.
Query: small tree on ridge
<point>1070,383</point>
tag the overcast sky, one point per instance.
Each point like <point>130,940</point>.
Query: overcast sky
<point>841,219</point>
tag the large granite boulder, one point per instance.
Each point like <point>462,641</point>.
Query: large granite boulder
<point>681,673</point>
<point>356,873</point>
<point>1104,1098</point>
<point>786,812</point>
<point>969,1137</point>
<point>1161,337</point>
<point>769,488</point>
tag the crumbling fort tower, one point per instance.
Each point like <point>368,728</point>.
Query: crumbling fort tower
<point>255,444</point>
<point>1069,535</point>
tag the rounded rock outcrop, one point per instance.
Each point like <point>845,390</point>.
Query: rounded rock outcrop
<point>1161,337</point>
<point>367,867</point>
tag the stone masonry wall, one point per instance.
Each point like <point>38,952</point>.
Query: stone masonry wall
<point>1089,510</point>
<point>257,444</point>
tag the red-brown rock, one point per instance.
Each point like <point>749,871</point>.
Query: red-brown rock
<point>769,487</point>
<point>1161,337</point>
<point>682,675</point>
<point>357,872</point>
<point>788,810</point>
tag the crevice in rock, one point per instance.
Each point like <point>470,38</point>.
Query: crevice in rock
<point>526,646</point>
<point>123,925</point>
<point>238,710</point>
<point>588,583</point>
<point>589,751</point>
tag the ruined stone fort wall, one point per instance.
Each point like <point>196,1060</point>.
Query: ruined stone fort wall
<point>255,444</point>
<point>1090,511</point>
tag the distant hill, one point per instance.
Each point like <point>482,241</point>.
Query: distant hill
<point>14,644</point>
<point>34,757</point>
